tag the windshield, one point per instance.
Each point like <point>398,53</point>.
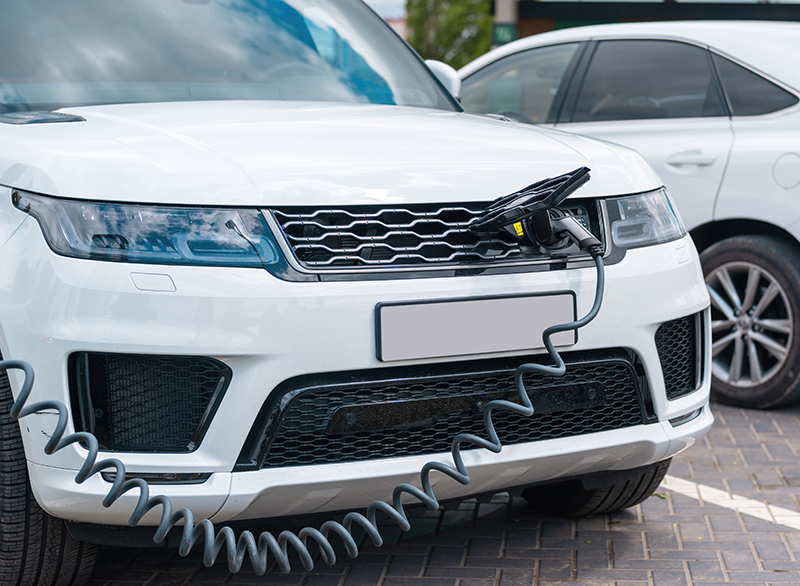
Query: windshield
<point>57,53</point>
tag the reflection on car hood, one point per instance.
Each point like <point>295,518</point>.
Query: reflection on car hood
<point>265,153</point>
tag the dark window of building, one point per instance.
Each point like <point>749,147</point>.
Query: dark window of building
<point>521,86</point>
<point>637,79</point>
<point>750,94</point>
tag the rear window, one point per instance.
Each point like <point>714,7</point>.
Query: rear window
<point>750,94</point>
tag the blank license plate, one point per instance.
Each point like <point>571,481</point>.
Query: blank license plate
<point>473,326</point>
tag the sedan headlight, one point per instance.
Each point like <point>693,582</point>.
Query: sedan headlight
<point>152,234</point>
<point>643,219</point>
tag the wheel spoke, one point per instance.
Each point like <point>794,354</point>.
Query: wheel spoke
<point>753,279</point>
<point>723,343</point>
<point>780,326</point>
<point>770,345</point>
<point>769,295</point>
<point>720,325</point>
<point>727,284</point>
<point>755,364</point>
<point>735,372</point>
<point>718,302</point>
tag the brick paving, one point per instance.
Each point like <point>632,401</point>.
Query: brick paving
<point>669,540</point>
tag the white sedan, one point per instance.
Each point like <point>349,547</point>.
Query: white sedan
<point>713,107</point>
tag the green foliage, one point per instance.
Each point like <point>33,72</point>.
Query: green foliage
<point>453,31</point>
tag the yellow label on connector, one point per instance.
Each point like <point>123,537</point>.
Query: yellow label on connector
<point>518,228</point>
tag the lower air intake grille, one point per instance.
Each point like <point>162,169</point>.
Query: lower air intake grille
<point>410,412</point>
<point>679,353</point>
<point>135,403</point>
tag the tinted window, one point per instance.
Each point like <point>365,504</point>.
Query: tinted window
<point>634,80</point>
<point>750,94</point>
<point>83,52</point>
<point>522,84</point>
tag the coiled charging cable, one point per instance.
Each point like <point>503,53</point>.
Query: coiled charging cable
<point>258,549</point>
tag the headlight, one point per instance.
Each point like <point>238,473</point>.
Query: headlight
<point>643,220</point>
<point>152,234</point>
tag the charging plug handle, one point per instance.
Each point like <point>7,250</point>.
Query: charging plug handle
<point>567,225</point>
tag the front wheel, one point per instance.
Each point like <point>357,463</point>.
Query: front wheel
<point>571,499</point>
<point>754,284</point>
<point>35,548</point>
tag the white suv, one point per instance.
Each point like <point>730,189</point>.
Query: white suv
<point>238,243</point>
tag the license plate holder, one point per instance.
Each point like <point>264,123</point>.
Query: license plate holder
<point>471,326</point>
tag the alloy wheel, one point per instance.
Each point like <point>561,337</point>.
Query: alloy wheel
<point>751,324</point>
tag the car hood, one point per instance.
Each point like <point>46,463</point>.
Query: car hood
<point>268,154</point>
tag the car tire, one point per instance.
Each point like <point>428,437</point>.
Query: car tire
<point>571,499</point>
<point>35,548</point>
<point>754,282</point>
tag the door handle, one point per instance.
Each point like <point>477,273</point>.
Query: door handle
<point>691,158</point>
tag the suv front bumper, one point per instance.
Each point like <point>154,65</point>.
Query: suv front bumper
<point>268,331</point>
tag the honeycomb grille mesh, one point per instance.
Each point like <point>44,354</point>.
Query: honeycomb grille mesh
<point>302,437</point>
<point>676,342</point>
<point>151,403</point>
<point>400,236</point>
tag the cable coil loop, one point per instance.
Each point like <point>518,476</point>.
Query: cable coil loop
<point>257,550</point>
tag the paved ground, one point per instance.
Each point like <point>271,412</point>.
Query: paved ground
<point>670,539</point>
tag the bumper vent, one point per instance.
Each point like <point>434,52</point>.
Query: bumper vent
<point>416,410</point>
<point>409,236</point>
<point>680,352</point>
<point>137,403</point>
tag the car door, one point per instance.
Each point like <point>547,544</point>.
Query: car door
<point>763,177</point>
<point>662,99</point>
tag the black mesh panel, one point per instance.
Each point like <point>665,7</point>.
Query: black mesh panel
<point>139,403</point>
<point>421,415</point>
<point>676,342</point>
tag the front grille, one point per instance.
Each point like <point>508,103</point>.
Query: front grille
<point>415,411</point>
<point>412,235</point>
<point>138,403</point>
<point>679,353</point>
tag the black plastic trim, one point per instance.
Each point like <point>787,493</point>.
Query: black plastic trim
<point>170,478</point>
<point>85,403</point>
<point>576,83</point>
<point>686,418</point>
<point>256,446</point>
<point>698,342</point>
<point>566,82</point>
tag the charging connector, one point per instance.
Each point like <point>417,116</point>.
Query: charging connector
<point>532,216</point>
<point>562,225</point>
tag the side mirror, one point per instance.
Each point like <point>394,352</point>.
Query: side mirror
<point>447,75</point>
